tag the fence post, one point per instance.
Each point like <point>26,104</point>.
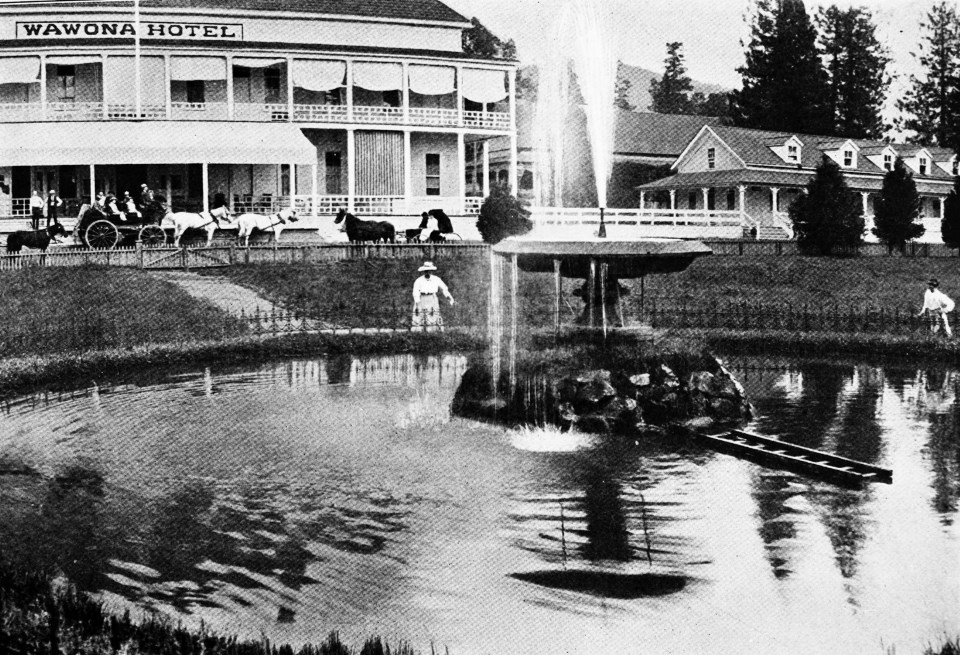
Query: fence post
<point>139,247</point>
<point>183,258</point>
<point>232,254</point>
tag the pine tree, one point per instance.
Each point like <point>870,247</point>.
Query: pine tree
<point>897,207</point>
<point>829,214</point>
<point>622,91</point>
<point>856,65</point>
<point>950,226</point>
<point>784,85</point>
<point>478,41</point>
<point>669,94</point>
<point>932,102</point>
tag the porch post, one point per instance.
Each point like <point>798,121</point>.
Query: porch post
<point>351,167</point>
<point>104,106</point>
<point>43,87</point>
<point>642,199</point>
<point>462,172</point>
<point>407,173</point>
<point>206,186</point>
<point>486,168</point>
<point>313,189</point>
<point>137,75</point>
<point>93,183</point>
<point>514,164</point>
<point>706,199</point>
<point>459,70</point>
<point>349,87</point>
<point>863,197</point>
<point>673,198</point>
<point>168,92</point>
<point>742,200</point>
<point>405,87</point>
<point>290,105</point>
<point>293,186</point>
<point>941,208</point>
<point>774,199</point>
<point>230,107</point>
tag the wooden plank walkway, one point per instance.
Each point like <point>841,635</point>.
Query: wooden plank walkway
<point>791,457</point>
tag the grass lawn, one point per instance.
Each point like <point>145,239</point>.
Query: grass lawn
<point>57,310</point>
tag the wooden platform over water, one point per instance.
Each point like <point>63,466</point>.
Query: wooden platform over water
<point>791,457</point>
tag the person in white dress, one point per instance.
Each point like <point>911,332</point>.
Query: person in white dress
<point>426,306</point>
<point>936,305</point>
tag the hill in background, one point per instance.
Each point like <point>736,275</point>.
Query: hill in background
<point>639,78</point>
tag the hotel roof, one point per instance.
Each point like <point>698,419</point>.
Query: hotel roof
<point>401,10</point>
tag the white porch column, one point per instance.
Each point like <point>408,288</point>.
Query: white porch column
<point>43,87</point>
<point>290,91</point>
<point>230,107</point>
<point>863,197</point>
<point>742,189</point>
<point>486,168</point>
<point>941,201</point>
<point>314,169</point>
<point>407,172</point>
<point>293,186</point>
<point>206,186</point>
<point>459,70</point>
<point>351,168</point>
<point>514,163</point>
<point>774,199</point>
<point>349,88</point>
<point>137,75</point>
<point>673,198</point>
<point>461,171</point>
<point>406,92</point>
<point>706,199</point>
<point>168,91</point>
<point>642,199</point>
<point>104,106</point>
<point>93,184</point>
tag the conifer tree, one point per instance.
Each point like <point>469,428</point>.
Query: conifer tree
<point>897,208</point>
<point>932,102</point>
<point>784,85</point>
<point>622,91</point>
<point>670,94</point>
<point>856,64</point>
<point>950,226</point>
<point>829,214</point>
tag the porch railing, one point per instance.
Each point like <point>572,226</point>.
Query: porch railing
<point>434,116</point>
<point>377,114</point>
<point>74,111</point>
<point>198,111</point>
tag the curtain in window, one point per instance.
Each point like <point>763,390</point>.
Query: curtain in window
<point>377,76</point>
<point>19,70</point>
<point>119,77</point>
<point>318,75</point>
<point>432,80</point>
<point>198,68</point>
<point>74,60</point>
<point>484,85</point>
<point>256,62</point>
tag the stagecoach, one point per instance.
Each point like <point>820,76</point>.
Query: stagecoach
<point>98,229</point>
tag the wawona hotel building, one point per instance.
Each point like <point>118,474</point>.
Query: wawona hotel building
<point>364,104</point>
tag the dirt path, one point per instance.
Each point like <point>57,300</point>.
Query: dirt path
<point>223,293</point>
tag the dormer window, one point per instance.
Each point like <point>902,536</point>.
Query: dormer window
<point>923,166</point>
<point>711,157</point>
<point>848,158</point>
<point>793,154</point>
<point>956,167</point>
<point>888,162</point>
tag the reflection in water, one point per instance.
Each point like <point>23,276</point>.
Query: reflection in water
<point>311,495</point>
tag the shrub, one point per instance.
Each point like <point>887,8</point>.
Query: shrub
<point>502,215</point>
<point>897,208</point>
<point>829,215</point>
<point>950,226</point>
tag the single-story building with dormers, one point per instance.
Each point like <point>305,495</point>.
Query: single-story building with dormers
<point>759,174</point>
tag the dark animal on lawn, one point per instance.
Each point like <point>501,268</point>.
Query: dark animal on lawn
<point>39,239</point>
<point>362,231</point>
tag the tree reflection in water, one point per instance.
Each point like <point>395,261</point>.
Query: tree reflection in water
<point>938,395</point>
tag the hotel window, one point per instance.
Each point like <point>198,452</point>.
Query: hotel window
<point>793,154</point>
<point>66,83</point>
<point>888,162</point>
<point>711,157</point>
<point>923,166</point>
<point>195,91</point>
<point>433,174</point>
<point>333,164</point>
<point>271,84</point>
<point>847,158</point>
<point>692,200</point>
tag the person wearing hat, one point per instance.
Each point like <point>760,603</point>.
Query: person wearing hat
<point>426,307</point>
<point>53,205</point>
<point>936,305</point>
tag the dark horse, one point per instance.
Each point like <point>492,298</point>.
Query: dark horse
<point>361,231</point>
<point>39,239</point>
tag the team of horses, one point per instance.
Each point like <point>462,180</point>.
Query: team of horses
<point>358,231</point>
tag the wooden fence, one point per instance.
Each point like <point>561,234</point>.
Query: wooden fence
<point>753,248</point>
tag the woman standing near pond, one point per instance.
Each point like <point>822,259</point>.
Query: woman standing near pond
<point>426,307</point>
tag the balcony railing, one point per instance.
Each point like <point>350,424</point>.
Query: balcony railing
<point>19,112</point>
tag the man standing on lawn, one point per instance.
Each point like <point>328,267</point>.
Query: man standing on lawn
<point>936,305</point>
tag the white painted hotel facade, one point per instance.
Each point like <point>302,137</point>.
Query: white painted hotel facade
<point>318,104</point>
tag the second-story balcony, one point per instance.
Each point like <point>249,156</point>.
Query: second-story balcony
<point>248,89</point>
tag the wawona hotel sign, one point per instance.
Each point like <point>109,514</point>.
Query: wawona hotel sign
<point>117,29</point>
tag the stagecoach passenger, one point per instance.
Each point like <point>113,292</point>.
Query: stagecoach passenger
<point>426,306</point>
<point>100,203</point>
<point>111,204</point>
<point>130,207</point>
<point>146,195</point>
<point>36,209</point>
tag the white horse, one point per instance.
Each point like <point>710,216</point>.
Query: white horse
<point>275,222</point>
<point>206,220</point>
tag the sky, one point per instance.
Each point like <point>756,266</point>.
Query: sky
<point>710,30</point>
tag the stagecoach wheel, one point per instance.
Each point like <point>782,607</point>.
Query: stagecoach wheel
<point>153,235</point>
<point>102,234</point>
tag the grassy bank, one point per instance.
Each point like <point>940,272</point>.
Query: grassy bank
<point>41,617</point>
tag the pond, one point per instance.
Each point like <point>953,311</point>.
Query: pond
<point>296,498</point>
